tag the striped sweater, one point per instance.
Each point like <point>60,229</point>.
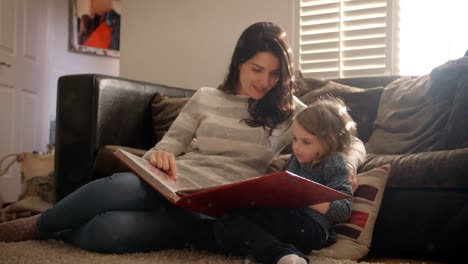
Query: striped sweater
<point>226,149</point>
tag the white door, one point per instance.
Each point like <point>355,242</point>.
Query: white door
<point>23,31</point>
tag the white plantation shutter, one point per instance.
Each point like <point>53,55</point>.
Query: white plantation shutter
<point>348,38</point>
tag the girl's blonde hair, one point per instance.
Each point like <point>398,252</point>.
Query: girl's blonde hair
<point>328,119</point>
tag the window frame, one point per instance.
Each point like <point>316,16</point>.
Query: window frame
<point>391,53</point>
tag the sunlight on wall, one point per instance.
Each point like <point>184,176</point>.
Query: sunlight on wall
<point>431,32</point>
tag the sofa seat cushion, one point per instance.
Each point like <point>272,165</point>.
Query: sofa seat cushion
<point>426,170</point>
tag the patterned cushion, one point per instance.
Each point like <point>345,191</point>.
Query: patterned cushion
<point>355,236</point>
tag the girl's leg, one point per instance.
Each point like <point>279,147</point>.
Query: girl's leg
<point>266,235</point>
<point>119,192</point>
<point>292,226</point>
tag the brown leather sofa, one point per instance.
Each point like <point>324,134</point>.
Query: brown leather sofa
<point>423,212</point>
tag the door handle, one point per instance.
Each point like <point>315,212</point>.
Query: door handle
<point>2,63</point>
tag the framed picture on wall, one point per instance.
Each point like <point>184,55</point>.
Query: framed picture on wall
<point>95,27</point>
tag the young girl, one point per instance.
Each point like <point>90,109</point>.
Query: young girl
<point>320,133</point>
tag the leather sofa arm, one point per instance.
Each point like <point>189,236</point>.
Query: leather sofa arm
<point>97,110</point>
<point>435,169</point>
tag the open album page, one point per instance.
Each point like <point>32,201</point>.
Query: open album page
<point>161,180</point>
<point>155,176</point>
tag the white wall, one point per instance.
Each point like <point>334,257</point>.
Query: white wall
<point>63,62</point>
<point>189,43</point>
<point>55,60</point>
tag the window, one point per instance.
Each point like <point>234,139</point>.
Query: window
<point>347,38</point>
<point>352,38</point>
<point>430,38</point>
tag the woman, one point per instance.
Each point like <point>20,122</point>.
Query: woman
<point>239,128</point>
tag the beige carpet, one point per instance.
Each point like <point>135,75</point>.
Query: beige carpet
<point>56,252</point>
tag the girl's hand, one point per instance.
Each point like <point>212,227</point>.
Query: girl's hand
<point>321,208</point>
<point>165,161</point>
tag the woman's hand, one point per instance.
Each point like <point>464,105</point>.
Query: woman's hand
<point>165,161</point>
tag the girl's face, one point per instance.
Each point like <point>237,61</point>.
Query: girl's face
<point>306,147</point>
<point>258,75</point>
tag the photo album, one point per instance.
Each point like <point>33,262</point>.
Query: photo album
<point>278,190</point>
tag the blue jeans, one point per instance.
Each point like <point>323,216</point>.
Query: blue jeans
<point>118,214</point>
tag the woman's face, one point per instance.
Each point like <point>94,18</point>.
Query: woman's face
<point>306,147</point>
<point>258,75</point>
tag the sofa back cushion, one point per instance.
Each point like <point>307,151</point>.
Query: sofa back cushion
<point>457,124</point>
<point>362,103</point>
<point>164,111</point>
<point>424,113</point>
<point>410,119</point>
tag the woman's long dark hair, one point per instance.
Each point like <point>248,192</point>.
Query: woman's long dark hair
<point>277,105</point>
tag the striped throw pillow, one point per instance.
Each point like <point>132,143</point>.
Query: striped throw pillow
<point>355,236</point>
